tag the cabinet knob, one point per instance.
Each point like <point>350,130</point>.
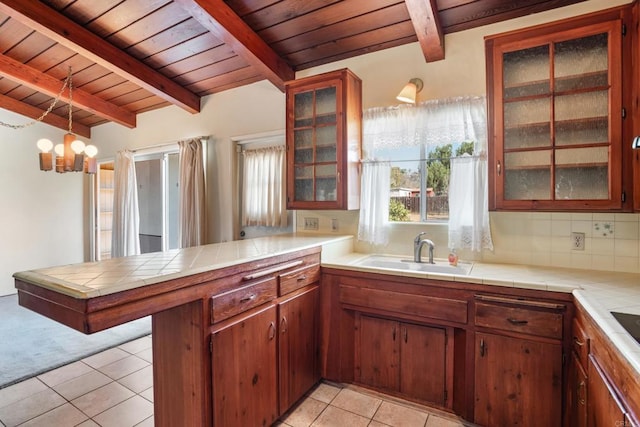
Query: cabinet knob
<point>272,330</point>
<point>283,325</point>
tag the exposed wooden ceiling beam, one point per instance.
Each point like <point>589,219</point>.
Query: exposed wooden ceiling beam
<point>217,17</point>
<point>424,16</point>
<point>27,110</point>
<point>61,29</point>
<point>34,79</point>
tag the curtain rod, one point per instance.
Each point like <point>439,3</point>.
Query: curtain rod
<point>166,144</point>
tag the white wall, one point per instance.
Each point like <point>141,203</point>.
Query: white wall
<point>42,213</point>
<point>255,108</point>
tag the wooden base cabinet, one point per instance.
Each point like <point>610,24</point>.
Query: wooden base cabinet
<point>298,346</point>
<point>518,382</point>
<point>576,395</point>
<point>402,357</point>
<point>243,369</point>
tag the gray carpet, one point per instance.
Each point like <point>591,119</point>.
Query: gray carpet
<point>31,344</point>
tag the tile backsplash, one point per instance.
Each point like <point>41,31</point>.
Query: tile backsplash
<point>611,240</point>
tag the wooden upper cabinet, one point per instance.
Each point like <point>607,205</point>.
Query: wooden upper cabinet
<point>324,131</point>
<point>555,95</point>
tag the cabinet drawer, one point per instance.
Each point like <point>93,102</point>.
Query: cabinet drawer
<point>238,300</point>
<point>522,318</point>
<point>298,278</point>
<point>580,343</point>
<point>419,305</point>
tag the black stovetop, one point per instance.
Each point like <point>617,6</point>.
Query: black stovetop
<point>631,322</point>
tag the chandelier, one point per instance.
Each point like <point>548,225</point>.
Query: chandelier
<point>72,155</point>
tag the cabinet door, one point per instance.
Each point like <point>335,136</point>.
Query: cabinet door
<point>244,371</point>
<point>378,353</point>
<point>422,363</point>
<point>604,408</point>
<point>316,135</point>
<point>518,382</point>
<point>298,347</point>
<point>558,119</point>
<point>576,394</point>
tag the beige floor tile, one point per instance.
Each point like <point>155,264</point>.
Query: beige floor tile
<point>21,390</point>
<point>375,423</point>
<point>123,367</point>
<point>146,355</point>
<point>64,373</point>
<point>333,417</point>
<point>146,423</point>
<point>106,357</point>
<point>435,421</point>
<point>325,392</point>
<point>148,394</point>
<point>126,414</point>
<point>305,413</point>
<point>139,380</point>
<point>83,384</point>
<point>136,346</point>
<point>30,407</point>
<point>102,399</point>
<point>65,415</point>
<point>400,416</point>
<point>357,403</point>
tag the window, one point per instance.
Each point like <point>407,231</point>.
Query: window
<point>419,180</point>
<point>410,155</point>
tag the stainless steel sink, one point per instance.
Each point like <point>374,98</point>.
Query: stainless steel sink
<point>401,264</point>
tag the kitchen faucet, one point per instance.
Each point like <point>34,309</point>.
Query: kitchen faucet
<point>418,243</point>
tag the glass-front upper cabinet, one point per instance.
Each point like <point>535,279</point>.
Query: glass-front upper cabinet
<point>323,141</point>
<point>555,100</point>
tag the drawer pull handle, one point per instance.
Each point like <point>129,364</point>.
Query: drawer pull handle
<point>582,388</point>
<point>517,322</point>
<point>577,342</point>
<point>483,348</point>
<point>248,298</point>
<point>301,278</point>
<point>393,334</point>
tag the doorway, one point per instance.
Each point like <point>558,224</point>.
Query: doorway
<point>158,193</point>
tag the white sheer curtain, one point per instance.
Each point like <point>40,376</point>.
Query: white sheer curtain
<point>192,201</point>
<point>468,204</point>
<point>433,123</point>
<point>264,191</point>
<point>125,239</point>
<point>373,226</point>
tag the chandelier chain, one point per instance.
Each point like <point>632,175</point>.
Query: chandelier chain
<point>70,84</point>
<point>66,82</point>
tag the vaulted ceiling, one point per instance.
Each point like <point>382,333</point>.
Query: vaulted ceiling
<point>131,56</point>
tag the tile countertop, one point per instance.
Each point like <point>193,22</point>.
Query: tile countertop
<point>94,279</point>
<point>599,292</point>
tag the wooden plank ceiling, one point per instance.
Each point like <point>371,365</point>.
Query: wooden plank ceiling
<point>131,56</point>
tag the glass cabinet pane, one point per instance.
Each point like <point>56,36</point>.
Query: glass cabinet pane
<point>326,101</point>
<point>526,72</point>
<point>582,173</point>
<point>527,123</point>
<point>527,175</point>
<point>582,118</point>
<point>581,63</point>
<point>303,110</point>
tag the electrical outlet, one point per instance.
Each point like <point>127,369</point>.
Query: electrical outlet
<point>310,223</point>
<point>577,241</point>
<point>334,224</point>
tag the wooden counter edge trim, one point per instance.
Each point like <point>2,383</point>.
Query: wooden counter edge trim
<point>623,376</point>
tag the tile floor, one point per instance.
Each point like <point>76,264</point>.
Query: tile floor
<point>115,388</point>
